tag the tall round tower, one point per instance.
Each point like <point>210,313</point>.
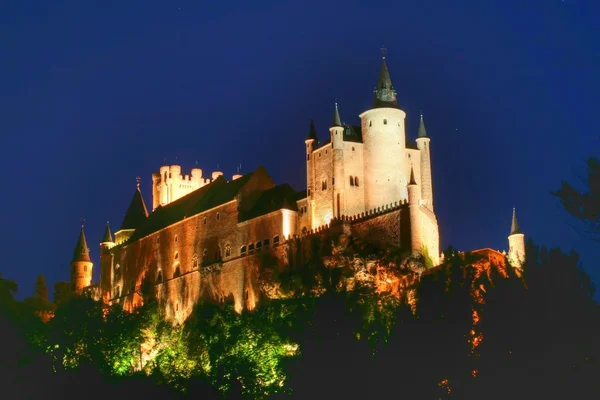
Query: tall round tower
<point>516,244</point>
<point>426,183</point>
<point>338,181</point>
<point>81,265</point>
<point>384,144</point>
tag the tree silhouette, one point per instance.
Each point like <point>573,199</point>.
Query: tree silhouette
<point>584,204</point>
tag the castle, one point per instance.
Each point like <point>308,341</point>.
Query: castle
<point>204,236</point>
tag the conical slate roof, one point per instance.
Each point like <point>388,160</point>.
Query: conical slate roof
<point>422,131</point>
<point>312,133</point>
<point>136,213</point>
<point>385,95</point>
<point>81,251</point>
<point>514,227</point>
<point>412,177</point>
<point>337,121</point>
<point>107,238</point>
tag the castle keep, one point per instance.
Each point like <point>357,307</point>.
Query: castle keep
<point>205,237</point>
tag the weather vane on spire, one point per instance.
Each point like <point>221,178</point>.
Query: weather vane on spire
<point>137,181</point>
<point>383,52</point>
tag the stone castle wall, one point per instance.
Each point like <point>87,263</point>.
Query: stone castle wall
<point>430,235</point>
<point>322,210</point>
<point>354,196</point>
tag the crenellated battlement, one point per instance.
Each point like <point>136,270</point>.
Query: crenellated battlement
<point>169,184</point>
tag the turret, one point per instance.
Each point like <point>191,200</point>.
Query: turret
<point>106,244</point>
<point>338,181</point>
<point>165,178</point>
<point>426,182</point>
<point>197,180</point>
<point>384,142</point>
<point>516,243</point>
<point>311,142</point>
<point>414,200</point>
<point>81,265</point>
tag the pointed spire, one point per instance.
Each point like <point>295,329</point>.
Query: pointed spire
<point>107,238</point>
<point>312,133</point>
<point>337,121</point>
<point>412,177</point>
<point>137,212</point>
<point>422,131</point>
<point>514,228</point>
<point>81,252</point>
<point>385,95</point>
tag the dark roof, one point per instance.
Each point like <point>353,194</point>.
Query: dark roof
<point>353,133</point>
<point>410,144</point>
<point>136,213</point>
<point>514,227</point>
<point>107,238</point>
<point>216,193</point>
<point>422,131</point>
<point>385,95</point>
<point>301,194</point>
<point>325,143</point>
<point>277,198</point>
<point>337,121</point>
<point>312,132</point>
<point>81,251</point>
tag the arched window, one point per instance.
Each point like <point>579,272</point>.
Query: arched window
<point>356,181</point>
<point>228,251</point>
<point>177,271</point>
<point>218,216</point>
<point>276,240</point>
<point>351,181</point>
<point>258,245</point>
<point>158,240</point>
<point>176,255</point>
<point>251,248</point>
<point>266,242</point>
<point>205,256</point>
<point>195,260</point>
<point>204,220</point>
<point>243,250</point>
<point>176,238</point>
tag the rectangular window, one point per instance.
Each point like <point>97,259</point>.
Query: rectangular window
<point>266,242</point>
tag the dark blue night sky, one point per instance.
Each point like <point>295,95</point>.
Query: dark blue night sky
<point>94,94</point>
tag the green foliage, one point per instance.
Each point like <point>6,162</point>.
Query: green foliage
<point>247,348</point>
<point>427,258</point>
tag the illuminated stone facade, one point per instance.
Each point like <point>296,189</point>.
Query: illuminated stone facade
<point>208,238</point>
